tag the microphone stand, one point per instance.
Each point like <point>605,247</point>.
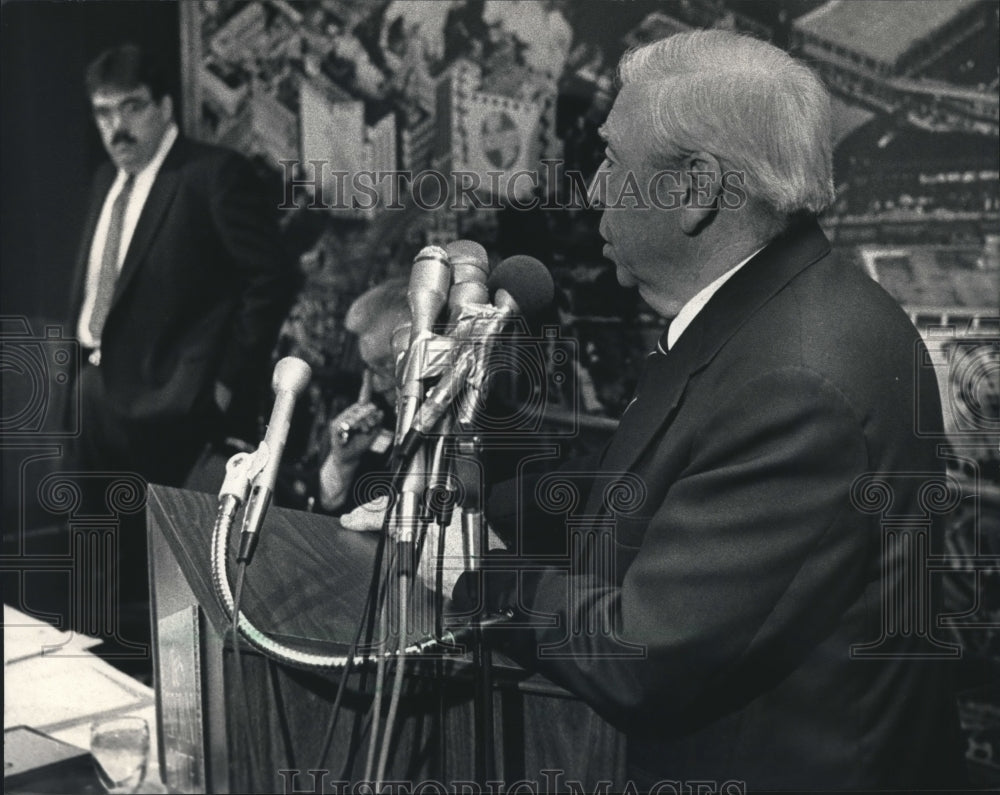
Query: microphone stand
<point>405,528</point>
<point>468,469</point>
<point>471,474</point>
<point>466,466</point>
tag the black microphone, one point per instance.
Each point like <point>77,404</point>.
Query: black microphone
<point>523,286</point>
<point>291,376</point>
<point>457,636</point>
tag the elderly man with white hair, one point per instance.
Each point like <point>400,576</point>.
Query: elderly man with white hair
<point>737,596</point>
<point>357,433</point>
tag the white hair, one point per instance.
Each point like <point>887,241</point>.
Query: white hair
<point>748,103</point>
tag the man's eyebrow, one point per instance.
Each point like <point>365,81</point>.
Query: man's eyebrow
<point>133,95</point>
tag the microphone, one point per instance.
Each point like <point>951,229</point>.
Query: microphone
<point>527,283</point>
<point>467,299</point>
<point>458,636</point>
<point>428,290</point>
<point>427,295</point>
<point>470,268</point>
<point>291,376</point>
<point>522,286</point>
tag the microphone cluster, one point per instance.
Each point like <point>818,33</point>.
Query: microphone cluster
<point>458,308</point>
<point>479,305</point>
<point>520,286</point>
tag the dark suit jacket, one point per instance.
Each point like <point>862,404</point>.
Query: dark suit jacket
<point>203,288</point>
<point>747,552</point>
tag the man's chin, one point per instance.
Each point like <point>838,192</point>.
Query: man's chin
<point>625,278</point>
<point>125,157</point>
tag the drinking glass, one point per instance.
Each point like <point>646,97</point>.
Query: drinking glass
<point>121,748</point>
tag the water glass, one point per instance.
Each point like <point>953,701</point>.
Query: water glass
<point>121,748</point>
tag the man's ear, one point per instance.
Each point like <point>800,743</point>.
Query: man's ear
<point>703,181</point>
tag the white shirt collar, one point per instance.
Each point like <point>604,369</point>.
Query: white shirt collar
<point>152,168</point>
<point>691,309</point>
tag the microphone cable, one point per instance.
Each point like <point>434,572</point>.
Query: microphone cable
<point>241,570</point>
<point>367,616</point>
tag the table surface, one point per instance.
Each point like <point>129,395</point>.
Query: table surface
<point>54,683</point>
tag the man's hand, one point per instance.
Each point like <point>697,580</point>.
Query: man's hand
<point>366,518</point>
<point>352,432</point>
<point>455,558</point>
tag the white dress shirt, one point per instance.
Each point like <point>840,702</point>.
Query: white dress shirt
<point>691,309</point>
<point>140,192</point>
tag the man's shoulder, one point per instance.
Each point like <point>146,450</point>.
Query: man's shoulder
<point>834,320</point>
<point>838,291</point>
<point>188,150</point>
<point>205,166</point>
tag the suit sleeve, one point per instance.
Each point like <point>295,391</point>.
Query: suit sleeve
<point>751,557</point>
<point>266,279</point>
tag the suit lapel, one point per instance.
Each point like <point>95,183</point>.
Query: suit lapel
<point>660,388</point>
<point>153,212</point>
<point>736,301</point>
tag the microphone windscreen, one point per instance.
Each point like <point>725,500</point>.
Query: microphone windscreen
<point>291,374</point>
<point>526,280</point>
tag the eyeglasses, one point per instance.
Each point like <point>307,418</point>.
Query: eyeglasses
<point>126,110</point>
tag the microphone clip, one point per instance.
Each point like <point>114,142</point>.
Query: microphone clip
<point>452,641</point>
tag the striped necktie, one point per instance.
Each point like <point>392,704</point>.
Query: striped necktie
<point>109,260</point>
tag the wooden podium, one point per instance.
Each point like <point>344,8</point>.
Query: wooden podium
<point>307,586</point>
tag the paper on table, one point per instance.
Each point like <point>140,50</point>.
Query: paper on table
<point>47,692</point>
<point>25,637</point>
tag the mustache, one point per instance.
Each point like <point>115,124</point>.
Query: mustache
<point>123,137</point>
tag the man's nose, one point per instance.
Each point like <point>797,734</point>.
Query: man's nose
<point>117,126</point>
<point>597,191</point>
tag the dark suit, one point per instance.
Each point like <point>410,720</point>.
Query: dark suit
<point>203,289</point>
<point>748,545</point>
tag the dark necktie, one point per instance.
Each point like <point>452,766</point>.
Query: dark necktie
<point>109,260</point>
<point>650,364</point>
<point>633,421</point>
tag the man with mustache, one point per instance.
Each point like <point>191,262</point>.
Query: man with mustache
<point>180,290</point>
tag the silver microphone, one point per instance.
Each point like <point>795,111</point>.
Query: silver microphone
<point>291,377</point>
<point>427,295</point>
<point>470,267</point>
